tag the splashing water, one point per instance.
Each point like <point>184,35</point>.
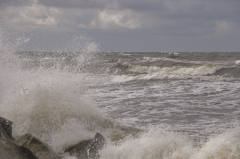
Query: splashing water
<point>47,100</point>
<point>46,94</point>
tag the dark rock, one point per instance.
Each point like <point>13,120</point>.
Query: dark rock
<point>28,153</point>
<point>99,141</point>
<point>88,148</point>
<point>7,126</point>
<point>30,147</point>
<point>37,147</point>
<point>97,144</point>
<point>79,150</point>
<point>8,149</point>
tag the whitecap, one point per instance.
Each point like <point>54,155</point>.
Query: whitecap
<point>237,62</point>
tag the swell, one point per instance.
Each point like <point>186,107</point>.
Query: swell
<point>231,72</point>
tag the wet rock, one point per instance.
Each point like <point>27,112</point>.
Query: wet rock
<point>28,153</point>
<point>8,149</point>
<point>37,147</point>
<point>7,126</point>
<point>80,150</point>
<point>88,148</point>
<point>97,144</point>
<point>30,147</point>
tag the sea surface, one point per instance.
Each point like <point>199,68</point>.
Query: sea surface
<point>148,105</point>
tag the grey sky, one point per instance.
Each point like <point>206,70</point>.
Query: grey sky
<point>126,25</point>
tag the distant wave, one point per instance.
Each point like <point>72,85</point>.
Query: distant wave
<point>176,72</point>
<point>162,58</point>
<point>232,72</point>
<point>193,70</point>
<point>181,61</point>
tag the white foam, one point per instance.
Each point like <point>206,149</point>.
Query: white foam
<point>225,145</point>
<point>164,143</point>
<point>157,143</point>
<point>177,72</point>
<point>152,59</point>
<point>237,62</point>
<point>193,70</point>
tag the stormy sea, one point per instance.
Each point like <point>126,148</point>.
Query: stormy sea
<point>147,105</point>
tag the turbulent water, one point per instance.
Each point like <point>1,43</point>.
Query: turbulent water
<point>156,105</point>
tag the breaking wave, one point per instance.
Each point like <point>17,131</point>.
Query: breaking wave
<point>193,70</point>
<point>163,143</point>
<point>176,72</point>
<point>45,94</point>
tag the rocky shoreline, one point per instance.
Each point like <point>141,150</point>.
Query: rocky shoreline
<point>30,147</point>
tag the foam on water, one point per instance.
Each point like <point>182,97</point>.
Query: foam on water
<point>237,62</point>
<point>153,59</point>
<point>225,145</point>
<point>164,143</point>
<point>193,70</point>
<point>156,143</point>
<point>176,72</point>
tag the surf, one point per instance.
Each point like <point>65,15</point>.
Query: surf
<point>47,94</point>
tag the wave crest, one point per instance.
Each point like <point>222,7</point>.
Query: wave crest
<point>176,72</point>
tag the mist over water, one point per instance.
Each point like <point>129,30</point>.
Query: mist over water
<point>147,105</point>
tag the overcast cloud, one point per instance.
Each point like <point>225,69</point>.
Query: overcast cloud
<point>126,25</point>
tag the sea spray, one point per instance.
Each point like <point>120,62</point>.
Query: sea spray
<point>50,94</point>
<point>156,142</point>
<point>221,146</point>
<point>43,93</point>
<point>164,143</point>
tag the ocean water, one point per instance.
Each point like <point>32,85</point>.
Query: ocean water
<point>148,105</point>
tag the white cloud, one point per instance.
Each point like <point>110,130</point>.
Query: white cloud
<point>109,19</point>
<point>156,20</point>
<point>31,15</point>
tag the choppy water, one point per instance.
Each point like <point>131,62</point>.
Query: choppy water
<point>146,104</point>
<point>193,92</point>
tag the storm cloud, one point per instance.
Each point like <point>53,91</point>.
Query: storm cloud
<point>127,25</point>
